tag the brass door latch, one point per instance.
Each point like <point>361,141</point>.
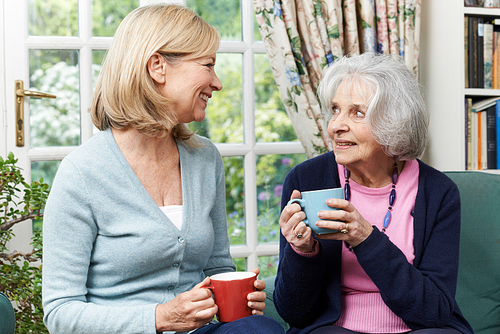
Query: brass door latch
<point>20,94</point>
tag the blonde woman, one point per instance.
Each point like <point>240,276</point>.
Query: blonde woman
<point>135,223</point>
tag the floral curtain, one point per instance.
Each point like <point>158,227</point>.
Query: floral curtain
<point>303,36</point>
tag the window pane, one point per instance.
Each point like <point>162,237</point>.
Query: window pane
<point>268,266</point>
<point>225,15</point>
<point>235,200</point>
<point>97,60</point>
<point>107,15</point>
<point>241,263</point>
<point>224,113</point>
<point>46,170</point>
<point>53,17</point>
<point>271,120</point>
<point>55,122</point>
<point>271,172</point>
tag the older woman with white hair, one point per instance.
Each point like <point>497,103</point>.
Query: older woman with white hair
<point>390,264</point>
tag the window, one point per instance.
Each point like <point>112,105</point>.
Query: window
<point>67,42</point>
<point>249,125</point>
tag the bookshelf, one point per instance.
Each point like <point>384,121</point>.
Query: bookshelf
<point>442,73</point>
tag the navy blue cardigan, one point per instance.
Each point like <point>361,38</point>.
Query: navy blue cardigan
<point>307,293</point>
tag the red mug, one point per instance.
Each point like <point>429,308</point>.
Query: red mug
<point>230,292</point>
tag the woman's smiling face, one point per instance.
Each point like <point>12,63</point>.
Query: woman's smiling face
<point>188,85</point>
<point>353,144</point>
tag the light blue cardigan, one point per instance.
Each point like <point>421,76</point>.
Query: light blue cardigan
<point>110,255</point>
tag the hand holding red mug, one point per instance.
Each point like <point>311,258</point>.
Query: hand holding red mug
<point>256,300</point>
<point>238,294</point>
<point>187,311</point>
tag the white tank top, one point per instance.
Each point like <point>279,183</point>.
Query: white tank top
<point>174,213</point>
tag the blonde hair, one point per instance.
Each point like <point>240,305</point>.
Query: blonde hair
<point>125,93</point>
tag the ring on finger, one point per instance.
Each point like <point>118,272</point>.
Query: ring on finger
<point>298,235</point>
<point>345,230</point>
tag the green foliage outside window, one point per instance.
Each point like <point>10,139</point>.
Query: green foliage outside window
<point>21,273</point>
<point>53,17</point>
<point>107,15</point>
<point>224,121</point>
<point>225,15</point>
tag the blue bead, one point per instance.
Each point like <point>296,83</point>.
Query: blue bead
<point>347,191</point>
<point>387,219</point>
<point>392,197</point>
<point>395,176</point>
<point>347,173</point>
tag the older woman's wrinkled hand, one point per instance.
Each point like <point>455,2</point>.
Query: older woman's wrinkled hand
<point>295,231</point>
<point>354,228</point>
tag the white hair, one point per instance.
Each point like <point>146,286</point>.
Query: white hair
<point>397,115</point>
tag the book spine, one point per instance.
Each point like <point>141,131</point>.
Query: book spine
<point>466,50</point>
<point>491,139</point>
<point>488,55</point>
<point>479,141</point>
<point>472,51</point>
<point>474,140</point>
<point>480,52</point>
<point>496,55</point>
<point>469,133</point>
<point>484,141</point>
<point>498,132</point>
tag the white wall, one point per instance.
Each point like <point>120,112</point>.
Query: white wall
<point>3,108</point>
<point>442,74</point>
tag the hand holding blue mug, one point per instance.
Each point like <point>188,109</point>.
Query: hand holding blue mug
<point>314,201</point>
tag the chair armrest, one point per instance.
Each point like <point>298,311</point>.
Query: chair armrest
<point>270,309</point>
<point>7,316</point>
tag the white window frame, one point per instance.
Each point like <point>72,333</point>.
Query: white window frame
<point>249,149</point>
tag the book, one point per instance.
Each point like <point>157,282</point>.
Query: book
<point>472,51</point>
<point>498,132</point>
<point>466,48</point>
<point>473,138</point>
<point>488,55</point>
<point>480,52</point>
<point>483,162</point>
<point>490,3</point>
<point>484,104</point>
<point>479,141</point>
<point>491,145</point>
<point>468,146</point>
<point>496,54</point>
<point>471,3</point>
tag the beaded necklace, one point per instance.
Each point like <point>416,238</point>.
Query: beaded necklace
<point>392,195</point>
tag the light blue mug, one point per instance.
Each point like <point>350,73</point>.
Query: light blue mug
<point>313,202</point>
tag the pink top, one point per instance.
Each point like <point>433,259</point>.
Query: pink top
<point>363,309</point>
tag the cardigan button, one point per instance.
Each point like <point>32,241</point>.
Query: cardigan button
<point>170,288</point>
<point>175,265</point>
<point>181,240</point>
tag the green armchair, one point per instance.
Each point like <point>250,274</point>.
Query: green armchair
<point>7,317</point>
<point>478,288</point>
<point>270,309</point>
